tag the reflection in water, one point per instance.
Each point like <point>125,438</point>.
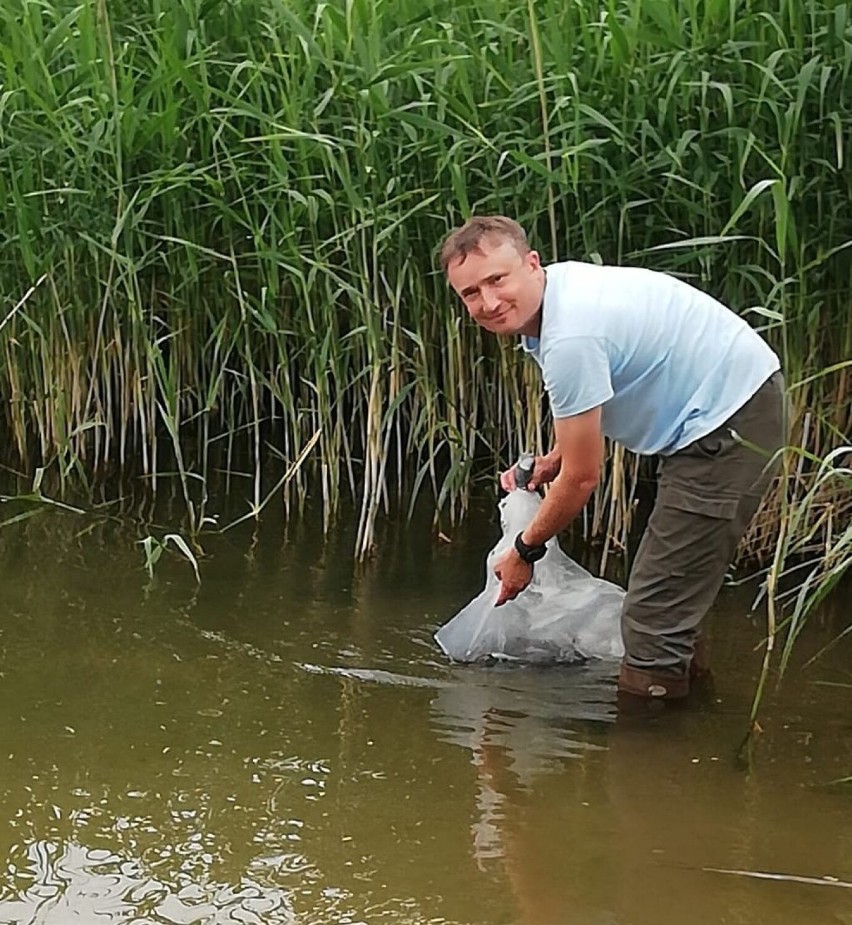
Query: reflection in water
<point>515,723</point>
<point>520,725</point>
<point>529,713</point>
<point>55,884</point>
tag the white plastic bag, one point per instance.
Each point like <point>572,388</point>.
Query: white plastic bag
<point>564,615</point>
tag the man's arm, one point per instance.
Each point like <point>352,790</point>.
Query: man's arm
<point>579,442</point>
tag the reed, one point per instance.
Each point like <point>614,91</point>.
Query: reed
<point>221,220</point>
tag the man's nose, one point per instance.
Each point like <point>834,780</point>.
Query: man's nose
<point>490,300</point>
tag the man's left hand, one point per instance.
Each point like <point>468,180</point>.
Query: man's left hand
<point>514,575</point>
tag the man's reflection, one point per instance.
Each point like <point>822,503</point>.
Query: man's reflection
<point>521,727</point>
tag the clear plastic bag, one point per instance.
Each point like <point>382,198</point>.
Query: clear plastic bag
<point>564,615</point>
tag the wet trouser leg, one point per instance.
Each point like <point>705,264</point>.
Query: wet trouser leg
<point>707,494</point>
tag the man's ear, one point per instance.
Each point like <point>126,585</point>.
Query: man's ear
<point>534,260</point>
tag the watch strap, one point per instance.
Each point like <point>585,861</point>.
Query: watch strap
<point>529,554</point>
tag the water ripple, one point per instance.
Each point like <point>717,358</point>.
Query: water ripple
<point>73,883</point>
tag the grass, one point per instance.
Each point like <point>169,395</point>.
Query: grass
<point>221,220</point>
<point>813,553</point>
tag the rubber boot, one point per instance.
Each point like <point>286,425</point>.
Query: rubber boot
<point>702,690</point>
<point>653,685</point>
<point>699,667</point>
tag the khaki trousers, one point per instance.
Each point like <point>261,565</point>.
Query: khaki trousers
<point>707,494</point>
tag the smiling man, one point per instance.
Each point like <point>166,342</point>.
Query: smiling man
<point>666,370</point>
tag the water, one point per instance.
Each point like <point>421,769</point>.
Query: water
<point>286,745</point>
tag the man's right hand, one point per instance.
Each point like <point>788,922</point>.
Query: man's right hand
<point>545,470</point>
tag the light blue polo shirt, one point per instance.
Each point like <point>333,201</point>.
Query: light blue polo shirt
<point>668,363</point>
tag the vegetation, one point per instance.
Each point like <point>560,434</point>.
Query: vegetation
<point>812,554</point>
<point>221,217</point>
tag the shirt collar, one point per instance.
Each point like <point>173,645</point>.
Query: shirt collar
<point>531,344</point>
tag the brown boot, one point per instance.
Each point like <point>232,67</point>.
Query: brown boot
<point>699,667</point>
<point>652,684</point>
<point>645,707</point>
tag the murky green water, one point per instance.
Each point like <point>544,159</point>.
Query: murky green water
<point>286,745</point>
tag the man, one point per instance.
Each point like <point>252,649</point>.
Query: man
<point>663,368</point>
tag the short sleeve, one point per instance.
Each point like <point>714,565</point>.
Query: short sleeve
<point>577,377</point>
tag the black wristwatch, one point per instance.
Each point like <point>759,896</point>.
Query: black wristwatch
<point>529,554</point>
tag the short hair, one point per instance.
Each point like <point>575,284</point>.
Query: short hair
<point>461,241</point>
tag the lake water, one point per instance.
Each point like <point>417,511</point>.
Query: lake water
<point>285,744</point>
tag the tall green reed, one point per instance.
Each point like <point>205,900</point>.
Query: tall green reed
<point>234,209</point>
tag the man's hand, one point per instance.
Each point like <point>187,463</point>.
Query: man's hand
<point>545,470</point>
<point>514,575</point>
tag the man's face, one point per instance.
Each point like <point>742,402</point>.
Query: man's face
<point>500,287</point>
